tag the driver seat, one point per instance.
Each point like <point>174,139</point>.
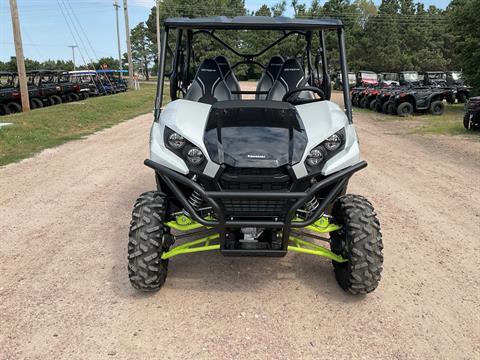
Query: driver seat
<point>291,77</point>
<point>269,75</point>
<point>208,86</point>
<point>229,76</point>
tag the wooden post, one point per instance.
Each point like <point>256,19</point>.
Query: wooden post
<point>129,46</point>
<point>22,75</point>
<point>116,6</point>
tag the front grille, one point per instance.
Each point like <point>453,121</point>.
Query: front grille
<point>255,179</point>
<point>256,208</point>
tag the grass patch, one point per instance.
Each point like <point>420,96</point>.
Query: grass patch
<point>52,126</point>
<point>450,123</point>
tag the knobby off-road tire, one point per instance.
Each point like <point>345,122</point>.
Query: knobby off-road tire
<point>146,270</point>
<point>405,109</point>
<point>4,109</point>
<point>360,242</point>
<point>437,107</point>
<point>364,103</point>
<point>14,108</point>
<point>462,97</point>
<point>466,120</point>
<point>55,100</point>
<point>392,109</point>
<point>385,107</point>
<point>373,105</point>
<point>39,103</point>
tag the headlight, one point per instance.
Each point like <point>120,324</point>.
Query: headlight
<point>183,148</point>
<point>195,156</point>
<point>315,157</point>
<point>333,142</point>
<point>321,153</point>
<point>176,141</point>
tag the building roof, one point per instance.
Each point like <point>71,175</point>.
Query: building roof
<point>253,23</point>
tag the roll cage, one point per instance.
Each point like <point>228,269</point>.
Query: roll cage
<point>187,29</point>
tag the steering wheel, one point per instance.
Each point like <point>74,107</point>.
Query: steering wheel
<point>298,101</point>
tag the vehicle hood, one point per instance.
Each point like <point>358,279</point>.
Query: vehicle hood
<point>255,134</point>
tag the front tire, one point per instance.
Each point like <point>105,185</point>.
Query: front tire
<point>146,243</point>
<point>14,108</point>
<point>466,121</point>
<point>437,107</point>
<point>360,242</point>
<point>405,109</point>
<point>462,97</point>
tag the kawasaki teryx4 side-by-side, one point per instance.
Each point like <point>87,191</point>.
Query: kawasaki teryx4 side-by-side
<point>253,177</point>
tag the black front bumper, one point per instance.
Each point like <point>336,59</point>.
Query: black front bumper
<point>337,182</point>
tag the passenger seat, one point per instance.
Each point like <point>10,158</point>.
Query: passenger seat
<point>269,75</point>
<point>208,86</point>
<point>291,77</point>
<point>229,76</point>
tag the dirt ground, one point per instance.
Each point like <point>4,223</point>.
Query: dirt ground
<point>64,292</point>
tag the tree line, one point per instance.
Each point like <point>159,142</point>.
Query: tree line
<point>394,36</point>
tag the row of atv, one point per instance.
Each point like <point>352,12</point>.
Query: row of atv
<point>401,100</point>
<point>47,88</point>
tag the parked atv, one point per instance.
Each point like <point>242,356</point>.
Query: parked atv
<point>367,78</point>
<point>407,101</point>
<point>388,79</point>
<point>338,85</point>
<point>435,79</point>
<point>410,78</point>
<point>471,120</point>
<point>249,177</point>
<point>455,81</point>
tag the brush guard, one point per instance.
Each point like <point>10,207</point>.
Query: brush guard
<point>317,222</point>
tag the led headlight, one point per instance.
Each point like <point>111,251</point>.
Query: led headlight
<point>328,148</point>
<point>195,156</point>
<point>315,157</point>
<point>176,141</point>
<point>333,142</point>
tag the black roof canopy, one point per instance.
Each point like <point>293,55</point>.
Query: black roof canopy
<point>253,23</point>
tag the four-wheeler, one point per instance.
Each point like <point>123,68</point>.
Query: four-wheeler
<point>367,78</point>
<point>435,78</point>
<point>409,78</point>
<point>406,101</point>
<point>471,120</point>
<point>455,81</point>
<point>388,79</point>
<point>352,80</point>
<point>255,177</point>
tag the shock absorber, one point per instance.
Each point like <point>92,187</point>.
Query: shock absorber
<point>196,200</point>
<point>311,205</point>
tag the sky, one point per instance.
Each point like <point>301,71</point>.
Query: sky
<point>45,33</point>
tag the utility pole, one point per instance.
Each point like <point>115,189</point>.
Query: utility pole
<point>73,54</point>
<point>116,6</point>
<point>129,46</point>
<point>22,75</point>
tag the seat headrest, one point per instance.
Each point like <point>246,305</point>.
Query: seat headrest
<point>223,64</point>
<point>292,74</point>
<point>274,66</point>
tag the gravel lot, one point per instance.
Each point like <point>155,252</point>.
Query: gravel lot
<point>64,292</point>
